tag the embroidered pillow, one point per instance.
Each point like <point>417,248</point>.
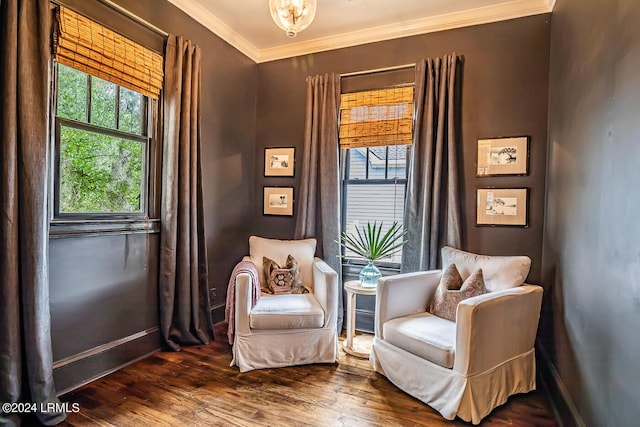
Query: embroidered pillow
<point>452,290</point>
<point>283,280</point>
<point>280,281</point>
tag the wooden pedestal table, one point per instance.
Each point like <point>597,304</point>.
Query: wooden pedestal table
<point>356,345</point>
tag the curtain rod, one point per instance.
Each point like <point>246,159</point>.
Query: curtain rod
<point>378,70</point>
<point>135,17</point>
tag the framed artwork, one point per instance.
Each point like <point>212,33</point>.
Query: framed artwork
<point>503,156</point>
<point>278,201</point>
<point>502,206</point>
<point>279,161</point>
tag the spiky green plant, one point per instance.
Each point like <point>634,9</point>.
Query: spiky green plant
<point>371,244</point>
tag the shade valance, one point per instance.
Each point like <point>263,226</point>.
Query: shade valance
<point>376,117</point>
<point>94,49</point>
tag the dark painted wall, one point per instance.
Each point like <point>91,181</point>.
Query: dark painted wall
<point>591,253</point>
<point>104,289</point>
<point>504,93</point>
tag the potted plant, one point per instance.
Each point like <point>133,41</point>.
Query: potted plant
<point>372,245</point>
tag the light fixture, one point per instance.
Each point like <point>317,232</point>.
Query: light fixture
<point>292,16</point>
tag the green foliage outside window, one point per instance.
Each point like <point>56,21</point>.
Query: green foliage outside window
<point>72,94</point>
<point>101,154</point>
<point>130,109</point>
<point>99,173</point>
<point>103,103</point>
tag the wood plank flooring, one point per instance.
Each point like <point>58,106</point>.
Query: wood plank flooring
<point>196,387</point>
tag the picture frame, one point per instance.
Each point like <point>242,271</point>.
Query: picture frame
<point>503,156</point>
<point>279,161</point>
<point>502,207</point>
<point>278,201</point>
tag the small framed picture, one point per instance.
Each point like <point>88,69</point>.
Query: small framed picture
<point>502,206</point>
<point>278,201</point>
<point>279,161</point>
<point>503,156</point>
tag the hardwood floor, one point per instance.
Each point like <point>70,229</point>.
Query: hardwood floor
<point>196,387</point>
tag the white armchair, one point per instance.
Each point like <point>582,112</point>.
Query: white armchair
<point>290,329</point>
<point>465,367</point>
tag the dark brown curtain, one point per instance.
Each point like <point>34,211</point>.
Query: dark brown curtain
<point>318,213</point>
<point>25,341</point>
<point>185,316</point>
<point>432,213</point>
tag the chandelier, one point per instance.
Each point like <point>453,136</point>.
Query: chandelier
<point>292,16</point>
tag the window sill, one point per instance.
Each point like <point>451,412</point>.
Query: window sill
<point>62,228</point>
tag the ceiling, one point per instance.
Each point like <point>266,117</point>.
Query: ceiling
<point>247,24</point>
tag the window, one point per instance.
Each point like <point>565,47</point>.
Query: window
<point>104,105</point>
<point>375,132</point>
<point>374,188</point>
<point>102,140</point>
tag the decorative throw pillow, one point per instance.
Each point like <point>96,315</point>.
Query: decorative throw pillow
<point>267,266</point>
<point>283,280</point>
<point>280,281</point>
<point>296,276</point>
<point>452,290</point>
<point>451,278</point>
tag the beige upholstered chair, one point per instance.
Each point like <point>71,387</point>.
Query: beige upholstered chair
<point>284,330</point>
<point>465,367</point>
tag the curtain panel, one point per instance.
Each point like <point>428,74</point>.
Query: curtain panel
<point>25,341</point>
<point>432,212</point>
<point>185,316</point>
<point>318,212</point>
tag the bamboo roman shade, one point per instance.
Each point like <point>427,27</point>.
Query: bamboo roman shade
<point>376,117</point>
<point>89,47</point>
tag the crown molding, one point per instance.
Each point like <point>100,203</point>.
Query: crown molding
<point>482,15</point>
<point>477,16</point>
<point>212,23</point>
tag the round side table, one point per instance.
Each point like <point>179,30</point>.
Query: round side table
<point>358,346</point>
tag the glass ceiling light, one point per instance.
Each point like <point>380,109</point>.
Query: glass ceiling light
<point>292,16</point>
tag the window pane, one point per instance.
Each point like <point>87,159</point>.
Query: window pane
<point>357,163</point>
<point>130,117</point>
<point>99,173</point>
<point>103,103</point>
<point>374,202</point>
<point>72,94</point>
<point>377,162</point>
<point>397,162</point>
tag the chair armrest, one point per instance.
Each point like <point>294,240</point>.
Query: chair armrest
<point>404,294</point>
<point>325,288</point>
<point>243,303</point>
<point>495,327</point>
